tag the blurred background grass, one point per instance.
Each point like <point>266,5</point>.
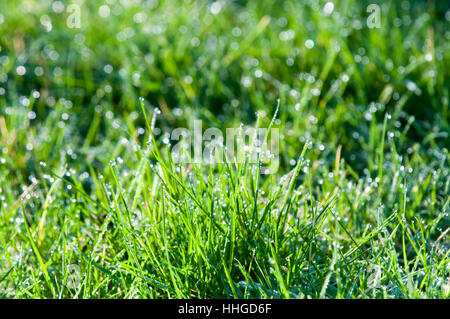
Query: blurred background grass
<point>224,61</point>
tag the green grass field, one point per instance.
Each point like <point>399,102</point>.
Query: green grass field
<point>92,204</point>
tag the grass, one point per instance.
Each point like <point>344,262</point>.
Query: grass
<point>357,209</point>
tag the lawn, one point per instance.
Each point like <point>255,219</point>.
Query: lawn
<point>345,195</point>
